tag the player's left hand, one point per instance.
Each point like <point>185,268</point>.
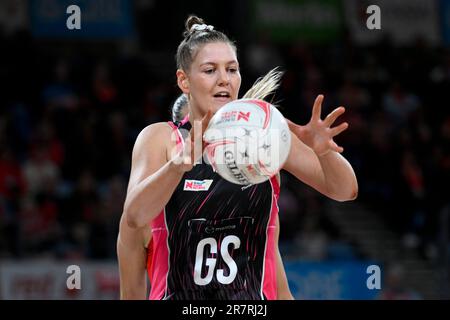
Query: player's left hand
<point>317,133</point>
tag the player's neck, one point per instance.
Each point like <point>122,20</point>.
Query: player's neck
<point>195,116</point>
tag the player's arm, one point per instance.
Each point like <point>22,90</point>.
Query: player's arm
<point>315,157</point>
<point>153,176</point>
<point>132,258</point>
<point>331,175</point>
<point>283,291</point>
<point>156,170</point>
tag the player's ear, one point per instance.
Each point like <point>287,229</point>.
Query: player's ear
<point>183,81</point>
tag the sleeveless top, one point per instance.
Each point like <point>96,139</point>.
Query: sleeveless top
<point>214,239</point>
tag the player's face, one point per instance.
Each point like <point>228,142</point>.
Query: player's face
<point>214,77</point>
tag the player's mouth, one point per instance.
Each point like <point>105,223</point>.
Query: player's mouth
<point>222,96</point>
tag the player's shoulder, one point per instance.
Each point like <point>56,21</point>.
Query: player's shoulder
<point>156,129</point>
<point>154,135</point>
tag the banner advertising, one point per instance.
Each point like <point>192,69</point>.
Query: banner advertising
<point>47,280</point>
<point>331,280</point>
<point>402,21</point>
<point>29,280</point>
<point>288,20</point>
<point>97,18</point>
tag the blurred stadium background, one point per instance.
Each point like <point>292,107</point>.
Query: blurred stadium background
<point>73,102</point>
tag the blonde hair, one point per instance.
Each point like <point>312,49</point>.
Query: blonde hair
<point>194,39</point>
<point>180,107</point>
<point>265,86</point>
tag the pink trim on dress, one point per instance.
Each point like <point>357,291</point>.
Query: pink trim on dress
<point>270,260</point>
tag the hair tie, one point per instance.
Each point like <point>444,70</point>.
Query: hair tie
<point>201,27</point>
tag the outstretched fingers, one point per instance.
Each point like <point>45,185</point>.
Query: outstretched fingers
<point>331,118</point>
<point>199,127</point>
<point>337,130</point>
<point>335,147</point>
<point>317,108</point>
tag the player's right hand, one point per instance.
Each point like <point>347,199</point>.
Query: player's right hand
<point>194,144</point>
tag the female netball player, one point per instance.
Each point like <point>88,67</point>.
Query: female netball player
<point>217,241</point>
<point>137,258</point>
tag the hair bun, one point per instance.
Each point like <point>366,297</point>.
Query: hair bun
<point>190,21</point>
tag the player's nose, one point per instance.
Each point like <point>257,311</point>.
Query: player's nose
<point>223,77</point>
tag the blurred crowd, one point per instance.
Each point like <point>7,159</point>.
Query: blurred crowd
<point>398,141</point>
<point>69,116</point>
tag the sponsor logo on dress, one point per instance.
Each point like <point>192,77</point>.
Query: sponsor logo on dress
<point>197,185</point>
